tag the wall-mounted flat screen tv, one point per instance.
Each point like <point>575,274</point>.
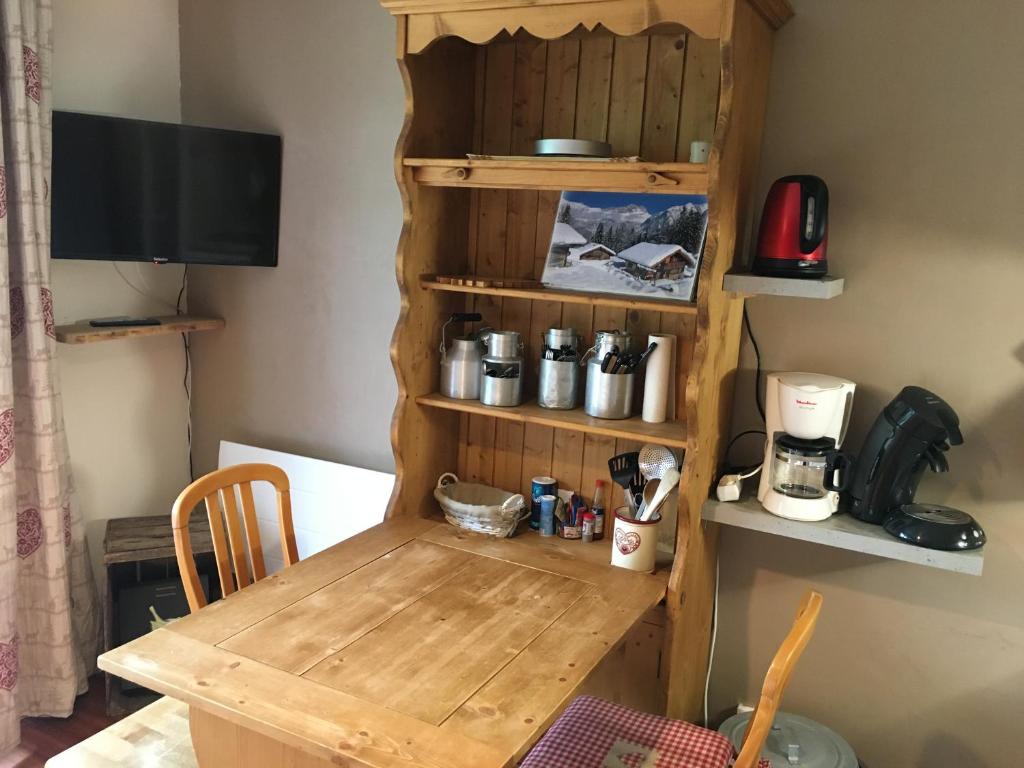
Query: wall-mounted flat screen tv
<point>133,190</point>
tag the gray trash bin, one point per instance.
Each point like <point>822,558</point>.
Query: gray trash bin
<point>795,741</point>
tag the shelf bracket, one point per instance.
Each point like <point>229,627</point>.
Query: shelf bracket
<point>660,180</point>
<point>457,173</point>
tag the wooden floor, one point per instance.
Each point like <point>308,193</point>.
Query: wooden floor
<point>44,737</point>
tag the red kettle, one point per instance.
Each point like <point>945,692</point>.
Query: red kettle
<point>794,229</point>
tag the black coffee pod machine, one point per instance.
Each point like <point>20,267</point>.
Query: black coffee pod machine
<point>912,433</point>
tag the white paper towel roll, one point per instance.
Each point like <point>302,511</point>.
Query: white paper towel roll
<point>659,376</point>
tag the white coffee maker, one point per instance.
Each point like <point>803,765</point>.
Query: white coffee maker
<point>806,416</point>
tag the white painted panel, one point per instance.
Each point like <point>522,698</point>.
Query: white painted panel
<point>330,502</point>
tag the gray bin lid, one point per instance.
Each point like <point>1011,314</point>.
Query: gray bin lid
<point>795,741</point>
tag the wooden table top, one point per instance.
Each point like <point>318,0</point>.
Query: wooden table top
<point>413,643</point>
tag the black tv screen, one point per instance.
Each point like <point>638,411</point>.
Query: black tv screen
<point>132,190</point>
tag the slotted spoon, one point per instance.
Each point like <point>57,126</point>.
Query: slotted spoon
<point>656,460</point>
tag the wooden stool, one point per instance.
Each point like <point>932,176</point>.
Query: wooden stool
<point>135,550</point>
<point>155,735</point>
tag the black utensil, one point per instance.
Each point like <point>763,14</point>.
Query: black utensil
<point>608,359</point>
<point>625,468</point>
<point>640,360</point>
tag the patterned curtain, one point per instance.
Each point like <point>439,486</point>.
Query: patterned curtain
<point>49,625</point>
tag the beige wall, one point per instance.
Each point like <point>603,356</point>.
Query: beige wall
<point>124,406</point>
<point>912,112</point>
<point>303,364</point>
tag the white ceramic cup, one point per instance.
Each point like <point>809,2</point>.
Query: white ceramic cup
<point>699,151</point>
<point>634,543</point>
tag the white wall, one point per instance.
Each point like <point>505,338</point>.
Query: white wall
<point>303,364</point>
<point>330,502</point>
<point>124,405</point>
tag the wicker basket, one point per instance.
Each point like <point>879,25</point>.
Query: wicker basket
<point>480,508</point>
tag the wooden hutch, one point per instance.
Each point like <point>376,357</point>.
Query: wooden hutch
<point>649,76</point>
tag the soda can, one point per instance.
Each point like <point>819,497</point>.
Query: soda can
<point>540,486</point>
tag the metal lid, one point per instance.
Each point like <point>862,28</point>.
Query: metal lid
<point>503,344</point>
<point>795,741</point>
<point>797,445</point>
<point>605,340</point>
<point>556,337</point>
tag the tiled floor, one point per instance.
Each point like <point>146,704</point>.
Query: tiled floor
<point>44,737</point>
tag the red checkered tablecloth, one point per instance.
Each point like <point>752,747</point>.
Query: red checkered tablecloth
<point>593,733</point>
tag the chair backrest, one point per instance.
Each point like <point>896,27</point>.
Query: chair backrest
<point>777,678</point>
<point>230,550</point>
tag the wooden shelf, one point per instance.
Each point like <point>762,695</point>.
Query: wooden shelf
<point>562,174</point>
<point>801,288</point>
<point>83,333</point>
<point>841,531</point>
<point>670,433</point>
<point>568,297</point>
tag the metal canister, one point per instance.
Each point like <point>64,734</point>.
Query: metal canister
<point>460,368</point>
<point>559,372</point>
<point>609,395</point>
<point>540,486</point>
<point>501,370</point>
<point>606,341</point>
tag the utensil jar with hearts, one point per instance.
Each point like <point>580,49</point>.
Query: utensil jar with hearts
<point>634,543</point>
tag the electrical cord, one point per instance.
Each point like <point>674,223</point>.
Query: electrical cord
<point>150,296</point>
<point>187,380</point>
<point>757,359</point>
<point>711,650</point>
<point>729,466</point>
<point>745,472</point>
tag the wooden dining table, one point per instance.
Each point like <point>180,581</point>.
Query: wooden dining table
<point>411,644</point>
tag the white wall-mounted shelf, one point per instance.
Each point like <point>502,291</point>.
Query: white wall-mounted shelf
<point>841,531</point>
<point>749,284</point>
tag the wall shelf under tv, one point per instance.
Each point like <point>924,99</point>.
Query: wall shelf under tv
<point>83,333</point>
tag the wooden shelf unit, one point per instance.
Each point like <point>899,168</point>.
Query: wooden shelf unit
<point>83,333</point>
<point>612,300</point>
<point>489,77</point>
<point>670,433</point>
<point>588,175</point>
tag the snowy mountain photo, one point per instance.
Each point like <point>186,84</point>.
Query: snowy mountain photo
<point>636,244</point>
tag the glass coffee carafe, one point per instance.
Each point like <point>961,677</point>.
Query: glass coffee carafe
<point>808,469</point>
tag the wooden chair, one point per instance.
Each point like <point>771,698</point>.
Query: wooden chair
<point>593,732</point>
<point>230,550</point>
